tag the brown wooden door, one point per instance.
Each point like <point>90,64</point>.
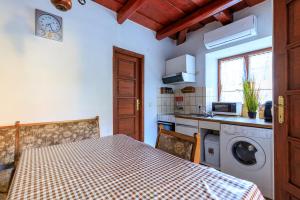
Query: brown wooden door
<point>287,85</point>
<point>128,93</point>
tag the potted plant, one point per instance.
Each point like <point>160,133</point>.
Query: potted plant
<point>251,97</point>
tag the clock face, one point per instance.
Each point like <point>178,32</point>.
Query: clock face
<point>48,23</point>
<point>48,26</point>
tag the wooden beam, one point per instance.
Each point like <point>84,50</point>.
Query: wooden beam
<point>182,36</point>
<point>199,15</point>
<point>253,2</point>
<point>196,27</point>
<point>200,2</point>
<point>129,9</point>
<point>225,17</point>
<point>173,37</point>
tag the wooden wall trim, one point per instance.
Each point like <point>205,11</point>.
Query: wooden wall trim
<point>126,52</point>
<point>50,122</point>
<point>17,143</point>
<point>61,122</point>
<point>250,53</point>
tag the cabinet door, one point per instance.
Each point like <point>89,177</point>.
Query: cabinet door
<point>186,129</point>
<point>210,125</point>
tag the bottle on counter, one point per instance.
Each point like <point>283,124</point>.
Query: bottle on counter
<point>261,111</point>
<point>244,110</point>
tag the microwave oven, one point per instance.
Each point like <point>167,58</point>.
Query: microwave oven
<point>227,108</point>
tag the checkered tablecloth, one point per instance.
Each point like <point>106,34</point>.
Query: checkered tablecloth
<point>119,167</point>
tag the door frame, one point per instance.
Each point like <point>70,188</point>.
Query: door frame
<point>279,87</point>
<point>141,88</point>
<point>282,63</point>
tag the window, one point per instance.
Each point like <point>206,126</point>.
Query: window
<point>255,66</point>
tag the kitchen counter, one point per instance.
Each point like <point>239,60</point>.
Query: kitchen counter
<point>241,121</point>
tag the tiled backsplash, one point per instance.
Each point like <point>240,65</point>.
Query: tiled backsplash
<point>165,103</point>
<point>211,96</point>
<point>191,101</point>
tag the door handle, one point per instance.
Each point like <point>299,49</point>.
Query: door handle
<point>138,105</point>
<point>281,109</point>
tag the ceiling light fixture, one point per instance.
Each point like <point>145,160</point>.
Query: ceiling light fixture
<point>65,5</point>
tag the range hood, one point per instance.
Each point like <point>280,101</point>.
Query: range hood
<point>180,70</point>
<point>181,77</point>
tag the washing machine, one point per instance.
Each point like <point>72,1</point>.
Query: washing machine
<point>247,153</point>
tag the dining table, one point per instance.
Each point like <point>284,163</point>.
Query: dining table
<point>120,167</point>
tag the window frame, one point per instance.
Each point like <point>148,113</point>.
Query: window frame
<point>246,58</point>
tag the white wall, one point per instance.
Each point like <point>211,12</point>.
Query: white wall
<point>195,46</point>
<point>44,80</point>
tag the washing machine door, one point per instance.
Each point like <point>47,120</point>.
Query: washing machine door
<point>246,153</point>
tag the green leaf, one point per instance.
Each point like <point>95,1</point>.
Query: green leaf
<point>251,95</point>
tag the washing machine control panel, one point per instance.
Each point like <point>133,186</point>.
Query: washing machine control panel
<point>246,131</point>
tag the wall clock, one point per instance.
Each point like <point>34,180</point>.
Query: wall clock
<point>48,25</point>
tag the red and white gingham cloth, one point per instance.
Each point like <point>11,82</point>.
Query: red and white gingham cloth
<point>118,167</point>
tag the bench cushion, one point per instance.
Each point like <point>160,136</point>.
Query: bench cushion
<point>7,145</point>
<point>41,135</point>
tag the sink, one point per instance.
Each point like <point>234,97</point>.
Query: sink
<point>197,115</point>
<point>205,115</point>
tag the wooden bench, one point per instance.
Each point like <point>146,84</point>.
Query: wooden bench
<point>19,137</point>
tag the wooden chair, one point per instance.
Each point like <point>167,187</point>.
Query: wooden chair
<point>178,144</point>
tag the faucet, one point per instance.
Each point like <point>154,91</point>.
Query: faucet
<point>204,113</point>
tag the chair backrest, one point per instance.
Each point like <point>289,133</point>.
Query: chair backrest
<point>180,145</point>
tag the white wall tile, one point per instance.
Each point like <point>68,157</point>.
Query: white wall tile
<point>159,110</point>
<point>193,100</point>
<point>193,109</point>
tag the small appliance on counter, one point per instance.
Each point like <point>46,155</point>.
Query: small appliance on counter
<point>168,122</point>
<point>268,111</point>
<point>227,108</point>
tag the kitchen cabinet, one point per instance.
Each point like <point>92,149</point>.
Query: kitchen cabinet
<point>186,126</point>
<point>191,126</point>
<point>209,125</point>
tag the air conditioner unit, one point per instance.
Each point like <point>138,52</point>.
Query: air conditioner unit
<point>239,30</point>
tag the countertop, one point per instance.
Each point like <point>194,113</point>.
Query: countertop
<point>241,121</point>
